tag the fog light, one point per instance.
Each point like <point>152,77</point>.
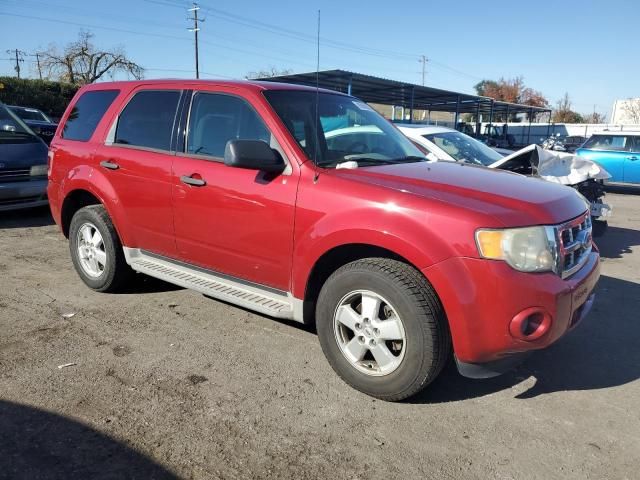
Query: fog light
<point>530,324</point>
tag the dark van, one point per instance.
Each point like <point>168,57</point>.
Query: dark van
<point>23,164</point>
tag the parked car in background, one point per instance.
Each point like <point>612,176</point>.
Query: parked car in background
<point>41,125</point>
<point>445,144</point>
<point>566,143</point>
<point>617,152</point>
<point>242,191</point>
<point>23,164</point>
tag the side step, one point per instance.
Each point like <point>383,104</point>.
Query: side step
<point>264,300</point>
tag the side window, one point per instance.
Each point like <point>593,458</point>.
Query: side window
<point>608,142</point>
<point>147,120</point>
<point>217,118</point>
<point>87,113</point>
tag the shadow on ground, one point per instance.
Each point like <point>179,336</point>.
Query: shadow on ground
<point>623,189</point>
<point>145,284</point>
<point>29,217</point>
<point>601,352</point>
<point>617,241</point>
<point>36,444</point>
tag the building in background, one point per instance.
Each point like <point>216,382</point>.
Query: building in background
<point>626,111</point>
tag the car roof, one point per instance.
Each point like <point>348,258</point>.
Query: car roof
<point>25,108</point>
<point>255,85</point>
<point>618,132</point>
<point>424,129</point>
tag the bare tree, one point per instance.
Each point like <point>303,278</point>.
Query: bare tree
<point>80,62</point>
<point>631,109</point>
<point>269,72</point>
<point>564,112</point>
<point>594,117</point>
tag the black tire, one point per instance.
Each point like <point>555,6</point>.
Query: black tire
<point>428,342</point>
<point>116,273</point>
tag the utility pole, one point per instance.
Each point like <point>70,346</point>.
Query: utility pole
<point>195,30</point>
<point>38,63</point>
<point>19,54</point>
<point>423,60</point>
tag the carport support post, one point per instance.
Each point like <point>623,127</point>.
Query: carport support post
<point>411,108</point>
<point>455,120</point>
<point>477,119</point>
<point>349,85</point>
<point>490,121</point>
<point>549,125</point>
<point>529,129</point>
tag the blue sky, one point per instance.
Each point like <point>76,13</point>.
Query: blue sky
<point>588,48</point>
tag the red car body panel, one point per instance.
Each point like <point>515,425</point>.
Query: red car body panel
<point>273,233</point>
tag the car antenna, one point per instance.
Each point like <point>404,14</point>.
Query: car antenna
<point>317,112</point>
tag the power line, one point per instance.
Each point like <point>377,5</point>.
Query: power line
<point>251,24</point>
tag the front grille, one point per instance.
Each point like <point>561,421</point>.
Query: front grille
<point>575,244</point>
<point>14,174</point>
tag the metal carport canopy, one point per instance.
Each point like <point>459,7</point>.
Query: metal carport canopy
<point>392,92</point>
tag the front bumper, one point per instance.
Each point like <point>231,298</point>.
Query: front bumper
<point>482,297</point>
<point>25,194</point>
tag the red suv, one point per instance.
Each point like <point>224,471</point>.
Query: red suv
<point>305,204</point>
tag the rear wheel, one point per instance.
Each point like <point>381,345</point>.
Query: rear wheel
<point>96,250</point>
<point>382,328</point>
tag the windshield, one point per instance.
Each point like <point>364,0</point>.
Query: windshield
<point>463,148</point>
<point>12,129</point>
<point>348,129</point>
<point>30,114</point>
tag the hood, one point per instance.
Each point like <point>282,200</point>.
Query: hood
<point>557,167</point>
<point>22,155</point>
<point>512,199</point>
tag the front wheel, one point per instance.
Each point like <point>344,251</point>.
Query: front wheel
<point>382,328</point>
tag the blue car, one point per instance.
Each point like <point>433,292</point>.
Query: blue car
<point>23,164</point>
<point>617,152</point>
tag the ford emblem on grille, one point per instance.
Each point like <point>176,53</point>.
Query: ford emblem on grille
<point>584,238</point>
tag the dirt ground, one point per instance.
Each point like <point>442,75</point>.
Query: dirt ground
<point>166,383</point>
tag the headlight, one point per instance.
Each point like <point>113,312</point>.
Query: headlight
<point>529,249</point>
<point>38,170</point>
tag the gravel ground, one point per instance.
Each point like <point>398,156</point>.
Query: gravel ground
<point>166,383</point>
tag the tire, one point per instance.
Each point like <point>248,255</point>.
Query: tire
<point>113,273</point>
<point>404,293</point>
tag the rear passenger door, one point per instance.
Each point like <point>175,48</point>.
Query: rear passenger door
<point>632,162</point>
<point>234,221</point>
<point>137,158</point>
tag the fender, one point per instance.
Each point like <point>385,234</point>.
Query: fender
<point>86,177</point>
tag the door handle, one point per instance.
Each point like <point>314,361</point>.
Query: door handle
<point>109,165</point>
<point>196,182</point>
<point>632,158</point>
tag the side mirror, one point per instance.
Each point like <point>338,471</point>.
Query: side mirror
<point>253,155</point>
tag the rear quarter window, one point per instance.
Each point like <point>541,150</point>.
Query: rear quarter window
<point>86,114</point>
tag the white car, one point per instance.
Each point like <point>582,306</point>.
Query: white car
<point>444,144</point>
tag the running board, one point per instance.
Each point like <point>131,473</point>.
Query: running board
<point>251,296</point>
